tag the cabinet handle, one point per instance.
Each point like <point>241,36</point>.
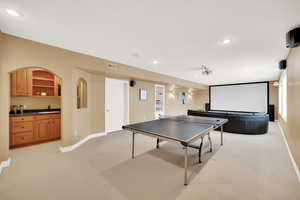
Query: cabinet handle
<point>22,127</point>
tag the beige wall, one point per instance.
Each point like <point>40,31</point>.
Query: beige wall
<point>145,110</point>
<point>81,117</point>
<point>97,116</point>
<point>4,101</point>
<point>291,127</point>
<point>16,53</point>
<point>201,98</point>
<point>141,110</point>
<point>35,103</point>
<point>173,107</point>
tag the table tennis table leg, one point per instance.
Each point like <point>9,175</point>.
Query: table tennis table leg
<point>132,150</point>
<point>185,149</point>
<point>222,135</point>
<point>210,143</point>
<point>200,150</point>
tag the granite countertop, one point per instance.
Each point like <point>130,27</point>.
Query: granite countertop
<point>35,112</point>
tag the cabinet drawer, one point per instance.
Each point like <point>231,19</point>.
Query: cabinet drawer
<point>51,116</point>
<point>22,119</point>
<point>22,138</point>
<point>18,127</point>
<point>42,117</point>
<point>55,116</point>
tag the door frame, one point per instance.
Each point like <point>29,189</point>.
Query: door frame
<point>164,98</point>
<point>125,82</point>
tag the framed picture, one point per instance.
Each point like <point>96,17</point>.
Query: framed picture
<point>143,94</point>
<point>181,97</point>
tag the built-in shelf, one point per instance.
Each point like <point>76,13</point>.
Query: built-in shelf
<point>43,79</point>
<point>36,96</point>
<point>44,86</point>
<point>33,81</point>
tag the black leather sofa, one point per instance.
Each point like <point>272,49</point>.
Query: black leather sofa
<point>239,122</point>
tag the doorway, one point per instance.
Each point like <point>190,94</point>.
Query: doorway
<point>159,100</point>
<point>116,104</point>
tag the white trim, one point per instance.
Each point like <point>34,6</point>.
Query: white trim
<point>78,144</point>
<point>128,99</point>
<point>5,164</point>
<point>290,153</point>
<point>106,104</point>
<point>164,99</point>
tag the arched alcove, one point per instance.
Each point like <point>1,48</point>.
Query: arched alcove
<point>38,89</point>
<point>82,94</point>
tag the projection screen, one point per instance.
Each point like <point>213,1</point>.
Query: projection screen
<point>246,97</point>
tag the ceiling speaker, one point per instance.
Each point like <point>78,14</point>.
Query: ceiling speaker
<point>293,38</point>
<point>282,65</point>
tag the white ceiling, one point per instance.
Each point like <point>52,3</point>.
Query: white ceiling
<point>181,35</point>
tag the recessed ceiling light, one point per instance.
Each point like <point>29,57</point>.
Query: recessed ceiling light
<point>155,62</point>
<point>226,41</point>
<point>13,12</point>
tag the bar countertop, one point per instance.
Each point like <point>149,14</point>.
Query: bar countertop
<point>35,112</point>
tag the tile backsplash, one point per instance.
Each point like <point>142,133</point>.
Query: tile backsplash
<point>35,103</point>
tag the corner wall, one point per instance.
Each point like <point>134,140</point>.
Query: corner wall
<point>194,100</point>
<point>201,98</point>
<point>3,101</point>
<point>291,127</point>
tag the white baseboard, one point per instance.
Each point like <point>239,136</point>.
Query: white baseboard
<point>290,153</point>
<point>4,164</point>
<point>78,144</point>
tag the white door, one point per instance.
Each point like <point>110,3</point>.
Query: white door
<point>159,100</point>
<point>116,104</point>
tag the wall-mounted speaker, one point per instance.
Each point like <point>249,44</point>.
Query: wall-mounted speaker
<point>271,112</point>
<point>282,65</point>
<point>293,38</point>
<point>132,83</point>
<point>207,107</point>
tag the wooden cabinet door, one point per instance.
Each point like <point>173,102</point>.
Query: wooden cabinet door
<point>42,129</point>
<point>56,128</point>
<point>21,83</point>
<point>29,82</point>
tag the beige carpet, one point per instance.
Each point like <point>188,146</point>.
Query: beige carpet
<point>246,167</point>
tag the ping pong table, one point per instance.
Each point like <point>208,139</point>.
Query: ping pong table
<point>182,129</point>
